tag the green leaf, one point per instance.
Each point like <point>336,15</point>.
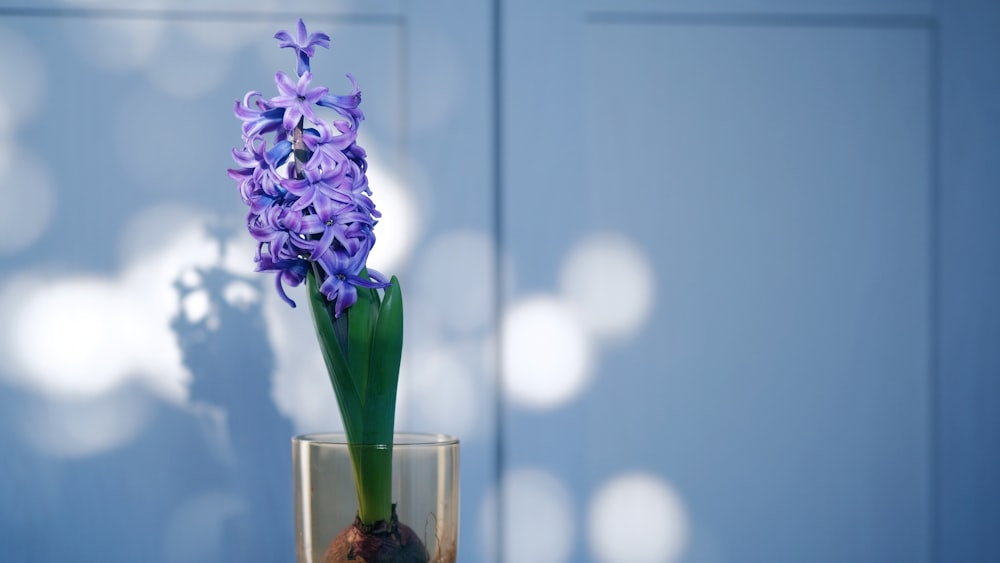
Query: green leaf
<point>360,318</point>
<point>348,398</point>
<point>387,351</point>
<point>374,328</point>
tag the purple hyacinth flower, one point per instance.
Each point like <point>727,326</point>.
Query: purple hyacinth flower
<point>347,104</point>
<point>316,184</point>
<point>297,98</point>
<point>293,272</point>
<point>328,149</point>
<point>265,119</point>
<point>304,45</point>
<point>304,181</point>
<point>343,279</point>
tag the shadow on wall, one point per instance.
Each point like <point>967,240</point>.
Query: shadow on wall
<point>205,481</point>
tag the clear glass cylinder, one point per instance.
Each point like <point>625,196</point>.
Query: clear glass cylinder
<point>425,489</point>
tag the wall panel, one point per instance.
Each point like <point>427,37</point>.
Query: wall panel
<point>772,183</point>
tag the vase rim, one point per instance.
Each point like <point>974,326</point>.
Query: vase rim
<point>399,439</point>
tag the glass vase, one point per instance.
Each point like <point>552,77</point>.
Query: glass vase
<point>425,489</point>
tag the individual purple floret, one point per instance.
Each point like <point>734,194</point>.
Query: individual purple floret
<point>305,182</point>
<point>304,45</point>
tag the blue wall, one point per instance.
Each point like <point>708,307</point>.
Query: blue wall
<point>697,282</point>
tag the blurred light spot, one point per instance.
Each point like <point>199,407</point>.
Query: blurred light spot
<point>196,305</point>
<point>398,227</point>
<point>225,38</point>
<point>455,276</point>
<point>196,529</point>
<point>637,518</point>
<point>240,294</point>
<point>116,44</point>
<point>107,329</point>
<point>23,72</point>
<point>23,178</point>
<point>440,393</point>
<point>64,427</point>
<point>184,69</point>
<point>80,318</point>
<point>609,283</point>
<point>538,519</point>
<point>175,233</point>
<point>238,255</point>
<point>546,354</point>
<point>301,388</point>
<point>189,278</point>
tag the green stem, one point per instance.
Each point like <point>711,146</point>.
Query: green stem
<point>373,480</point>
<point>362,350</point>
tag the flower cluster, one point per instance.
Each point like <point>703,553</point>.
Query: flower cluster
<point>307,189</point>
